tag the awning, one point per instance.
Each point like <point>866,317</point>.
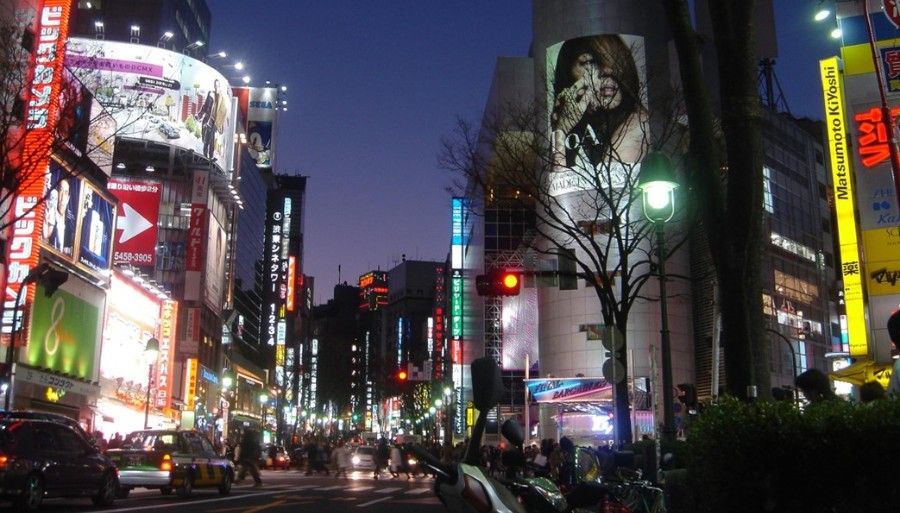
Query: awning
<point>863,371</point>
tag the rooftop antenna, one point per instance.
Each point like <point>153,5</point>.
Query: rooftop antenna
<point>339,273</point>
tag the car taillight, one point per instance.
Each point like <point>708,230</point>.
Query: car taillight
<point>4,461</point>
<point>166,463</point>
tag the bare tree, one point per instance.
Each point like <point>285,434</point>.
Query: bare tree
<point>579,181</point>
<point>730,181</point>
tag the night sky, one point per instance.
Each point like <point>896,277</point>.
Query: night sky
<point>374,86</point>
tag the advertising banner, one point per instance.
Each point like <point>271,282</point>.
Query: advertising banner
<point>259,106</point>
<point>158,95</point>
<point>41,112</point>
<point>191,342</point>
<point>98,219</point>
<point>217,248</point>
<point>132,318</point>
<point>882,261</point>
<point>520,329</point>
<point>569,390</point>
<point>190,383</point>
<point>598,112</point>
<point>136,229</point>
<point>64,331</point>
<point>196,234</point>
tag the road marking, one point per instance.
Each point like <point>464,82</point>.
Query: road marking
<point>360,488</point>
<point>335,487</point>
<point>372,502</point>
<point>416,491</point>
<point>182,504</point>
<point>388,490</point>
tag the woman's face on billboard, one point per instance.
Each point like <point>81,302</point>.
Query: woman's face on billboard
<point>601,83</point>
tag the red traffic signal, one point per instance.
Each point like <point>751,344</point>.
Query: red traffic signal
<point>402,375</point>
<point>499,282</point>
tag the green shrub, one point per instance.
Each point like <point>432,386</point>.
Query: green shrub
<point>771,457</point>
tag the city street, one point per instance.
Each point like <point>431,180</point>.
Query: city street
<point>283,491</point>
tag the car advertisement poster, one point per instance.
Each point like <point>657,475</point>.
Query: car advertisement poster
<point>136,229</point>
<point>158,95</point>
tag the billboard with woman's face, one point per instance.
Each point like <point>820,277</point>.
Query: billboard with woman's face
<point>598,111</point>
<point>158,95</point>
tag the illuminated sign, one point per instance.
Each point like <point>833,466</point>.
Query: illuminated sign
<point>842,186</point>
<point>196,234</point>
<point>457,231</point>
<point>291,282</point>
<point>166,359</point>
<point>41,112</point>
<point>872,143</point>
<point>456,304</point>
<point>569,390</point>
<point>190,383</point>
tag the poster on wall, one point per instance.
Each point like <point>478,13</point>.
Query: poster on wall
<point>217,247</point>
<point>136,228</point>
<point>158,95</point>
<point>98,219</point>
<point>259,106</point>
<point>599,124</point>
<point>60,226</point>
<point>196,236</point>
<point>520,329</point>
<point>65,328</point>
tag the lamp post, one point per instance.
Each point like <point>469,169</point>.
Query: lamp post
<point>793,360</point>
<point>657,184</point>
<point>150,352</point>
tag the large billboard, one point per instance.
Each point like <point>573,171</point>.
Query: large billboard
<point>136,231</point>
<point>519,320</point>
<point>216,250</point>
<point>158,95</point>
<point>65,329</point>
<point>259,106</point>
<point>78,221</point>
<point>598,111</point>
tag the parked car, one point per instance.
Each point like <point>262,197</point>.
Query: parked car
<point>274,457</point>
<point>363,458</point>
<point>42,458</point>
<point>169,131</point>
<point>171,460</point>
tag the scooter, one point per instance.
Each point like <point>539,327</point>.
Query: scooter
<point>466,487</point>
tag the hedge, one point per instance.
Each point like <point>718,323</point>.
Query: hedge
<point>834,456</point>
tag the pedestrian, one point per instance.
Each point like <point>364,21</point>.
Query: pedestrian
<point>396,462</point>
<point>893,326</point>
<point>342,459</point>
<point>871,391</point>
<point>815,386</point>
<point>248,453</point>
<point>311,456</point>
<point>382,454</point>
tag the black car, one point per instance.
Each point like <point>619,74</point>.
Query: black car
<point>52,417</point>
<point>42,458</point>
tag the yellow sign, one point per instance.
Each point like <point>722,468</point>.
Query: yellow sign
<point>190,383</point>
<point>842,186</point>
<point>857,59</point>
<point>882,248</point>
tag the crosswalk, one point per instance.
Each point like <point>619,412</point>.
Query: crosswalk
<point>362,492</point>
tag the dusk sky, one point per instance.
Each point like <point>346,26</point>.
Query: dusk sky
<point>374,86</point>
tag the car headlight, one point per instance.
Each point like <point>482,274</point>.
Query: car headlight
<point>355,460</point>
<point>411,461</point>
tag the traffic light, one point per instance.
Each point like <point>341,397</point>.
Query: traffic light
<point>499,282</point>
<point>402,376</point>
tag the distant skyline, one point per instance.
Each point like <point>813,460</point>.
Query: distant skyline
<point>374,86</point>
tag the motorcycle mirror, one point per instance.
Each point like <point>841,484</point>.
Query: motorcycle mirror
<point>513,432</point>
<point>487,385</point>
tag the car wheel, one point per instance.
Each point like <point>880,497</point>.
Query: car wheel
<point>32,494</point>
<point>225,486</point>
<point>187,486</point>
<point>106,495</point>
<point>166,491</point>
<point>122,493</point>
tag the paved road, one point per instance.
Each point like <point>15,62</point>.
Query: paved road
<point>283,491</point>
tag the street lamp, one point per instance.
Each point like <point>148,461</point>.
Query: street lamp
<point>657,184</point>
<point>150,352</point>
<point>793,361</point>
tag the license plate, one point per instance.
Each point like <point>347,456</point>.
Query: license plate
<point>134,461</point>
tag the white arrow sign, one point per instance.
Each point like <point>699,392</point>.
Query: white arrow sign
<point>132,224</point>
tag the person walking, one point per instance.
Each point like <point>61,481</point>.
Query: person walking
<point>382,454</point>
<point>248,455</point>
<point>342,459</point>
<point>396,462</point>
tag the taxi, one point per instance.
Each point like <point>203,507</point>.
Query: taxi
<point>171,460</point>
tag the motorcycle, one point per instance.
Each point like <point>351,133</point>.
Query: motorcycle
<point>466,488</point>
